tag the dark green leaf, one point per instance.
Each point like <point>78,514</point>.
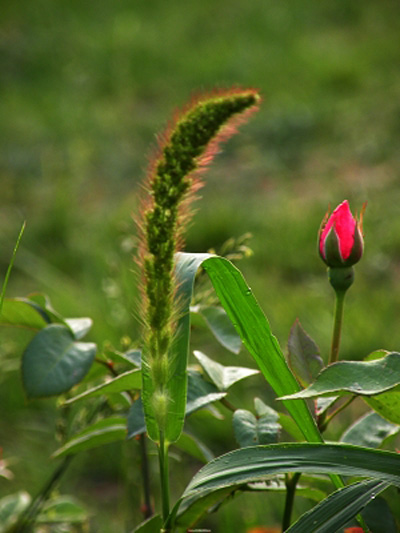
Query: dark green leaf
<point>303,355</point>
<point>366,378</point>
<point>333,512</point>
<point>220,325</point>
<point>370,430</point>
<point>102,432</point>
<point>53,362</point>
<point>131,380</point>
<point>379,517</point>
<point>223,376</point>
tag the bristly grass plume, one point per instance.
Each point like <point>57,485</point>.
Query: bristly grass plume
<point>184,150</point>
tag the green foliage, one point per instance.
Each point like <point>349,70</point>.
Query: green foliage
<point>303,355</point>
<point>250,322</point>
<point>370,430</point>
<point>54,362</point>
<point>102,432</point>
<point>335,511</point>
<point>220,325</point>
<point>223,376</point>
<point>367,378</point>
<point>261,429</point>
<point>131,380</point>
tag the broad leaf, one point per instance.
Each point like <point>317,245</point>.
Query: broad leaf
<point>220,325</point>
<point>254,330</point>
<point>53,362</point>
<point>370,430</point>
<point>303,355</point>
<point>102,432</point>
<point>335,511</point>
<point>366,378</point>
<point>185,271</point>
<point>223,376</point>
<point>131,380</point>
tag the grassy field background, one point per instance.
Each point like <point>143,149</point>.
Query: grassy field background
<point>84,89</point>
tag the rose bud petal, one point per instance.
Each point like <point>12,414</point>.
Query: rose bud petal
<point>340,238</point>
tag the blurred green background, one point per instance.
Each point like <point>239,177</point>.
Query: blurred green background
<point>85,87</point>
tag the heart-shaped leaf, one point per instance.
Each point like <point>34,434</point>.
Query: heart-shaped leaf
<point>53,362</point>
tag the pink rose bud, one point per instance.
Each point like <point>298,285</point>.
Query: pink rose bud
<point>341,238</point>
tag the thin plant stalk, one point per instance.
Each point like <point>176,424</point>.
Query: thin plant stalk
<point>164,476</point>
<point>291,484</point>
<point>337,325</point>
<point>148,510</point>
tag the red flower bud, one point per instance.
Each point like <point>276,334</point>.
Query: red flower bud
<point>340,237</point>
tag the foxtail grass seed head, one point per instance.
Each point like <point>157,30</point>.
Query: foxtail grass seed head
<point>186,148</point>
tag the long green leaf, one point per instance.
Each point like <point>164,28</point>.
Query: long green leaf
<point>253,327</point>
<point>102,432</point>
<point>340,507</point>
<point>252,464</point>
<point>124,382</point>
<point>10,265</point>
